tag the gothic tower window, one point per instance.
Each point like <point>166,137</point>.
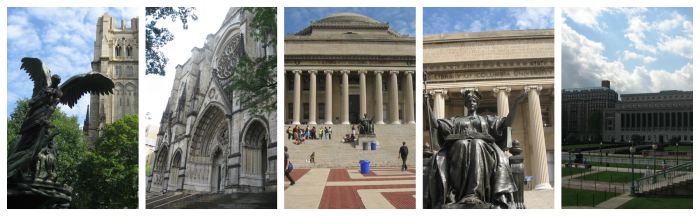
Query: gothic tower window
<point>118,50</point>
<point>128,50</point>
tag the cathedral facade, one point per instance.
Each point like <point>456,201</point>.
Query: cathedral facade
<point>116,56</point>
<point>207,142</point>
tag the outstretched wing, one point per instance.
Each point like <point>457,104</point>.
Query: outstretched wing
<point>38,72</point>
<point>78,85</point>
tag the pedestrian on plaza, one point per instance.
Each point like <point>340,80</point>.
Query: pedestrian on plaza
<point>287,167</point>
<point>330,132</point>
<point>295,131</point>
<point>403,154</point>
<point>320,133</point>
<point>313,132</point>
<point>290,133</point>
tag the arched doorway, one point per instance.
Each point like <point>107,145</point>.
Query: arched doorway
<point>255,141</point>
<point>174,181</point>
<point>160,169</point>
<point>206,158</point>
<point>218,172</point>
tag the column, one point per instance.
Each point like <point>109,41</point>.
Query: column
<point>312,97</point>
<point>438,102</point>
<point>408,101</point>
<point>346,98</point>
<point>297,96</point>
<point>394,98</point>
<point>501,94</point>
<point>378,96</point>
<point>536,138</point>
<point>329,96</point>
<point>363,92</point>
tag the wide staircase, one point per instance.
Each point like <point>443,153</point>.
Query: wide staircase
<point>677,180</point>
<point>239,200</point>
<point>336,154</point>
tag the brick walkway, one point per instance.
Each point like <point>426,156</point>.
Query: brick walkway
<point>324,188</point>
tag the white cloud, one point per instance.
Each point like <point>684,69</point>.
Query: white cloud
<point>534,18</point>
<point>585,16</point>
<point>678,45</point>
<point>677,20</point>
<point>475,26</point>
<point>635,33</point>
<point>629,55</point>
<point>584,65</point>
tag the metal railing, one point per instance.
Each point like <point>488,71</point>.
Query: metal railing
<point>661,179</point>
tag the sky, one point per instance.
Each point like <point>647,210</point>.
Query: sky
<point>62,37</point>
<point>155,89</point>
<point>454,20</point>
<point>401,20</point>
<point>640,50</point>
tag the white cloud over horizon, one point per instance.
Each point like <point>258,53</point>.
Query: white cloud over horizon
<point>635,58</point>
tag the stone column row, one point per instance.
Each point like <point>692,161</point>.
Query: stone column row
<point>652,120</point>
<point>345,114</point>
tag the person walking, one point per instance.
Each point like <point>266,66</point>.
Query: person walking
<point>330,133</point>
<point>403,154</point>
<point>287,171</point>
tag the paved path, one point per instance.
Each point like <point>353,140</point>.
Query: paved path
<point>382,188</point>
<point>615,202</point>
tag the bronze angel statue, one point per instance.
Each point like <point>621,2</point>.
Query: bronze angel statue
<point>47,94</point>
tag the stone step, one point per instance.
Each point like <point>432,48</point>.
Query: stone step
<point>334,153</point>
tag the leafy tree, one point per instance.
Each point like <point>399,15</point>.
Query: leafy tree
<point>255,78</point>
<point>109,173</point>
<point>158,37</point>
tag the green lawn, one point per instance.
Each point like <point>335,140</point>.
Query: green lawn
<point>658,203</point>
<point>609,176</point>
<point>576,197</point>
<point>672,148</point>
<point>567,171</point>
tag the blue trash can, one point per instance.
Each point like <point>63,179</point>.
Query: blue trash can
<point>373,146</point>
<point>364,166</point>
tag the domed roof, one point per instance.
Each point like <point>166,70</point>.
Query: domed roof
<point>347,18</point>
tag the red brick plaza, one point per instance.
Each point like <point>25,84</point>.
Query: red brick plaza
<point>342,188</point>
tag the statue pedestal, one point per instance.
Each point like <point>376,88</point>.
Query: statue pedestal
<point>38,194</point>
<point>365,141</point>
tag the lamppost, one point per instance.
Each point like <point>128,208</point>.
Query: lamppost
<point>653,147</point>
<point>632,156</point>
<point>600,151</point>
<point>677,153</point>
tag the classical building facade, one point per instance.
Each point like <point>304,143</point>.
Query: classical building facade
<point>501,65</point>
<point>582,112</point>
<point>656,117</point>
<point>346,65</point>
<point>116,56</point>
<point>207,142</point>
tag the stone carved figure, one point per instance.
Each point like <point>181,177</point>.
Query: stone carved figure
<point>470,169</point>
<point>47,160</point>
<point>47,94</point>
<point>366,124</point>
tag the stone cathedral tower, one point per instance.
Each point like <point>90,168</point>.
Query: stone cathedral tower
<point>116,56</point>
